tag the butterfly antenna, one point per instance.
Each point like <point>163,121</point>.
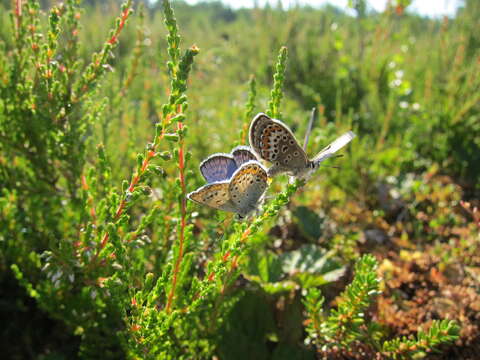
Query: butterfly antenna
<point>313,115</point>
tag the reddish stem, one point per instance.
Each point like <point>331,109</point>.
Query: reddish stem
<point>183,222</point>
<point>18,13</point>
<point>123,20</point>
<point>131,188</point>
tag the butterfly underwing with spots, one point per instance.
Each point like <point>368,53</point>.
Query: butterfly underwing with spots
<point>273,141</point>
<point>240,194</point>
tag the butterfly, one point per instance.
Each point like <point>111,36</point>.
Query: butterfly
<point>273,141</point>
<point>235,182</point>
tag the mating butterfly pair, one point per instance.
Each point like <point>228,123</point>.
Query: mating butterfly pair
<point>237,181</point>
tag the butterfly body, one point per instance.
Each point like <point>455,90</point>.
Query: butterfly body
<point>236,182</point>
<point>273,141</point>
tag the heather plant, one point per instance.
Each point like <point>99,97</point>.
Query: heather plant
<point>100,144</point>
<point>94,274</point>
<point>49,104</point>
<point>346,329</point>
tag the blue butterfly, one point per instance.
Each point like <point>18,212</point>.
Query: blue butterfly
<point>235,182</point>
<point>273,141</point>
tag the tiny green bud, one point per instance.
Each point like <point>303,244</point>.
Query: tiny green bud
<point>179,118</point>
<point>91,173</point>
<point>182,99</point>
<point>165,155</point>
<point>111,228</point>
<point>101,151</point>
<point>139,160</point>
<point>108,46</point>
<point>182,132</point>
<point>158,131</point>
<point>134,196</point>
<point>166,110</point>
<point>172,137</point>
<point>125,185</point>
<point>123,219</point>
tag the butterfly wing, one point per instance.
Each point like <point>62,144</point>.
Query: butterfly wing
<point>243,154</point>
<point>273,141</point>
<point>214,195</point>
<point>247,186</point>
<point>333,148</point>
<point>218,167</point>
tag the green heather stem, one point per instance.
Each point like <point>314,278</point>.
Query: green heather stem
<point>99,60</point>
<point>183,220</point>
<point>440,332</point>
<point>179,69</point>
<point>276,94</point>
<point>172,113</point>
<point>18,16</point>
<point>355,299</point>
<point>93,71</point>
<point>137,51</point>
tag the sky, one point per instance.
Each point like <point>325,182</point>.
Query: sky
<point>432,8</point>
